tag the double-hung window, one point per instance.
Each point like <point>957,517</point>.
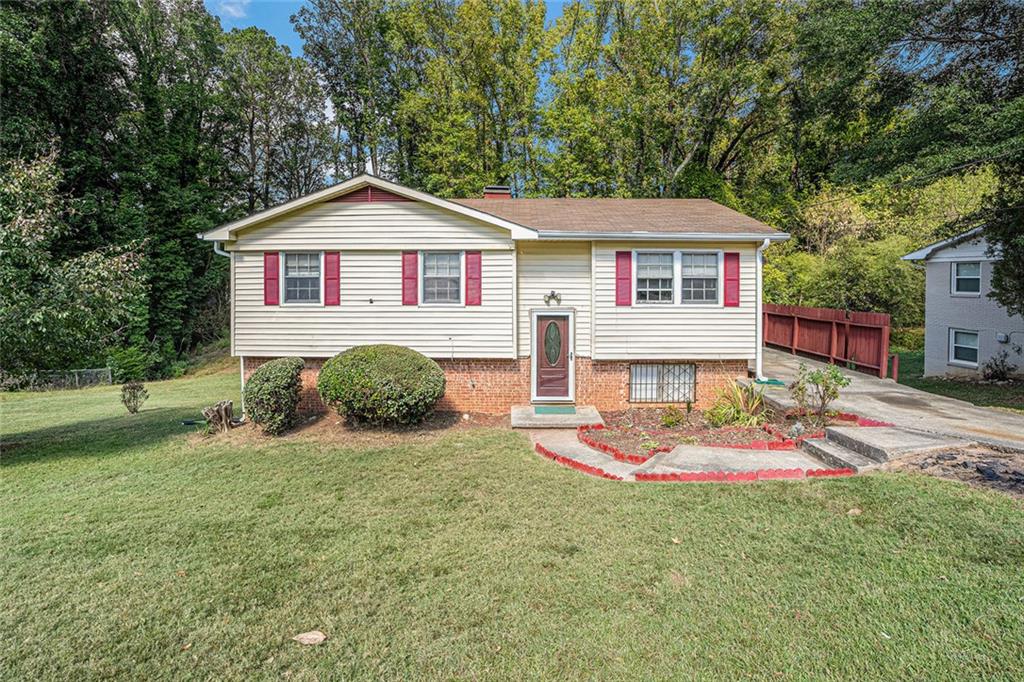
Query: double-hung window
<point>700,277</point>
<point>963,347</point>
<point>302,278</point>
<point>442,277</point>
<point>654,277</point>
<point>967,278</point>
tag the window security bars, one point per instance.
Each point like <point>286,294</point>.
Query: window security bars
<point>662,383</point>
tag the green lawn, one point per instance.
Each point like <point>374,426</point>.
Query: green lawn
<point>989,395</point>
<point>132,549</point>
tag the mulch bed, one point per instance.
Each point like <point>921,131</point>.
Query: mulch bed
<point>331,429</point>
<point>637,435</point>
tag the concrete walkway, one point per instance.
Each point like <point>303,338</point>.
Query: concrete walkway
<point>684,458</point>
<point>885,400</point>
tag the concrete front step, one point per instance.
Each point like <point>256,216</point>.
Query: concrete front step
<point>526,417</point>
<point>835,455</point>
<point>883,443</point>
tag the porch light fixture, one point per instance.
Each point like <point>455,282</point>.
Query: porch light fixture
<point>553,296</point>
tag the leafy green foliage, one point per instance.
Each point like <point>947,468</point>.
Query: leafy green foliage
<point>272,394</point>
<point>738,405</point>
<point>672,416</point>
<point>55,312</point>
<point>133,395</point>
<point>815,389</point>
<point>903,339</point>
<point>381,384</point>
<point>998,367</point>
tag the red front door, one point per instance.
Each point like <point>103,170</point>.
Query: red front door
<point>551,349</point>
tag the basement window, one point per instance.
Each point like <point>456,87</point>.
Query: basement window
<point>662,383</point>
<point>963,347</point>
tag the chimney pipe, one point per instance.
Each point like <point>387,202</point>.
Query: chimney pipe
<point>497,192</point>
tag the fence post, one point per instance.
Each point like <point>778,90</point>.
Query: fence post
<point>883,352</point>
<point>796,333</point>
<point>75,371</point>
<point>832,344</point>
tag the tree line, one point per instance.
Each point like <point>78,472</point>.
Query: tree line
<point>865,129</point>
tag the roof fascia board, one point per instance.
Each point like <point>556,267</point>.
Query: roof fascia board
<point>227,231</point>
<point>666,236</point>
<point>925,252</point>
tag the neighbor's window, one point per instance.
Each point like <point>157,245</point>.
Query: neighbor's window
<point>302,278</point>
<point>966,278</point>
<point>654,278</point>
<point>442,277</point>
<point>700,278</point>
<point>963,347</point>
<point>662,383</point>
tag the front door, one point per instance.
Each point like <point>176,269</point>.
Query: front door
<point>551,352</point>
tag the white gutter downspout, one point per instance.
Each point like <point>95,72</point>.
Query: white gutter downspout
<point>241,359</point>
<point>759,352</point>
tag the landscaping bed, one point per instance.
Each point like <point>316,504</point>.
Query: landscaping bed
<point>637,435</point>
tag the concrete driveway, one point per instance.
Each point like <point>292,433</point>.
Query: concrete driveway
<point>885,400</point>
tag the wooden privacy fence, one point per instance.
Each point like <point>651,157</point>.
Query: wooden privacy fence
<point>858,340</point>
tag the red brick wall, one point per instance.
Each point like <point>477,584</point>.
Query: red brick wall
<point>493,386</point>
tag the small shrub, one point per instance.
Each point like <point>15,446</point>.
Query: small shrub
<point>738,406</point>
<point>133,394</point>
<point>814,390</point>
<point>381,384</point>
<point>998,367</point>
<point>272,394</point>
<point>672,416</point>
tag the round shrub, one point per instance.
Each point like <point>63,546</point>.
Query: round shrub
<point>272,394</point>
<point>381,384</point>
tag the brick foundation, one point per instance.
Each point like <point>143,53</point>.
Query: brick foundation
<point>493,386</point>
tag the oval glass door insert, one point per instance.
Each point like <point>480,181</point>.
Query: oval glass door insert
<point>552,343</point>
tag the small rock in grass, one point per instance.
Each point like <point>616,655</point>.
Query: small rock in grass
<point>854,512</point>
<point>311,637</point>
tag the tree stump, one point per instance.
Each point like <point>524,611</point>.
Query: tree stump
<point>218,417</point>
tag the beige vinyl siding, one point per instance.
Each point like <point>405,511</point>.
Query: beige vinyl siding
<point>563,267</point>
<point>484,331</point>
<point>373,225</point>
<point>672,331</point>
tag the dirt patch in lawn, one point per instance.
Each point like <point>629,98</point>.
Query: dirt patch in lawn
<point>977,466</point>
<point>332,429</point>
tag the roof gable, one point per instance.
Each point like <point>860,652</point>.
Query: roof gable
<point>362,188</point>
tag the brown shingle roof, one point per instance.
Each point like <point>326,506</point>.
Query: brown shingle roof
<point>621,215</point>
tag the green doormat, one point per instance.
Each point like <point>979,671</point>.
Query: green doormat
<point>770,382</point>
<point>554,409</point>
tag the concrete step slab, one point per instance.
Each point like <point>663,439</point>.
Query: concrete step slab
<point>525,417</point>
<point>837,456</point>
<point>888,442</point>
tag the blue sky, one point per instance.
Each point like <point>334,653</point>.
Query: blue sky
<point>274,17</point>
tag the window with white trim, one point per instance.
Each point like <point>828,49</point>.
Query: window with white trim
<point>654,276</point>
<point>699,278</point>
<point>442,277</point>
<point>967,278</point>
<point>662,383</point>
<point>302,278</point>
<point>963,347</point>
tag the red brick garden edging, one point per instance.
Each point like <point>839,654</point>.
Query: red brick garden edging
<point>573,464</point>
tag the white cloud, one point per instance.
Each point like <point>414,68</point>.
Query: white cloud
<point>233,9</point>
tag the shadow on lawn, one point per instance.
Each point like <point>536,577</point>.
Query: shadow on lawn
<point>96,437</point>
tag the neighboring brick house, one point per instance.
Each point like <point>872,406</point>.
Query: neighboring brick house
<point>963,327</point>
<point>605,302</point>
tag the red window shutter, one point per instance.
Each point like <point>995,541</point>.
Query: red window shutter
<point>732,279</point>
<point>410,278</point>
<point>332,278</point>
<point>271,278</point>
<point>473,278</point>
<point>623,278</point>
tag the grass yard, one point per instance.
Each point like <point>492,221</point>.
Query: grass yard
<point>1010,396</point>
<point>134,549</point>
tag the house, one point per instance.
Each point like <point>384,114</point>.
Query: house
<point>605,302</point>
<point>964,328</point>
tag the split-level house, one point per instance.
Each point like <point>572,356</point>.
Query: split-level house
<point>614,303</point>
<point>964,328</point>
